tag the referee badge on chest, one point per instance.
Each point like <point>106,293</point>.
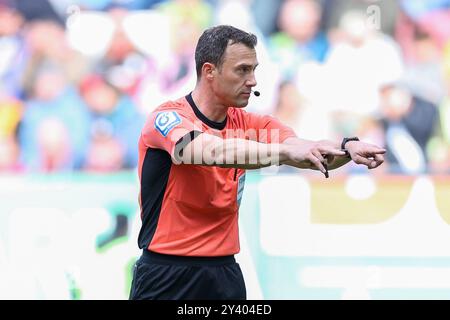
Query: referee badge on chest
<point>240,189</point>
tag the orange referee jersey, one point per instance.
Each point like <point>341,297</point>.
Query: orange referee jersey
<point>186,209</point>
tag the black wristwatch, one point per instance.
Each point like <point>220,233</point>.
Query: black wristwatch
<point>345,140</point>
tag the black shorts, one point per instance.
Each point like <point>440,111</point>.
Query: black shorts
<point>165,277</point>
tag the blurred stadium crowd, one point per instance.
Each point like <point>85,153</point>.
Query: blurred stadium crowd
<point>78,77</point>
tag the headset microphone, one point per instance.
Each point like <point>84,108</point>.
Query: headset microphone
<point>256,93</point>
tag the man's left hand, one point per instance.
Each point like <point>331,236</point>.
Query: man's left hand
<point>365,153</point>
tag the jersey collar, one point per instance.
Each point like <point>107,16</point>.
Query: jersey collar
<point>203,118</point>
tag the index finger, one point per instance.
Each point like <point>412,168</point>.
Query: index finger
<point>376,150</point>
<point>332,151</point>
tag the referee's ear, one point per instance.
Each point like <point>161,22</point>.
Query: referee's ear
<point>208,70</point>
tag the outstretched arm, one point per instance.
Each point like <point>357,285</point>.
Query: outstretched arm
<point>210,150</point>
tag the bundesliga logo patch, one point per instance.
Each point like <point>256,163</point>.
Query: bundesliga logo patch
<point>166,121</point>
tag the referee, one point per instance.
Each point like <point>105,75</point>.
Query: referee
<point>193,153</point>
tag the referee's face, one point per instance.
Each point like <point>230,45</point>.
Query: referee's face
<point>235,79</point>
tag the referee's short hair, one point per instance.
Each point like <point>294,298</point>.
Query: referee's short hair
<point>214,41</point>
